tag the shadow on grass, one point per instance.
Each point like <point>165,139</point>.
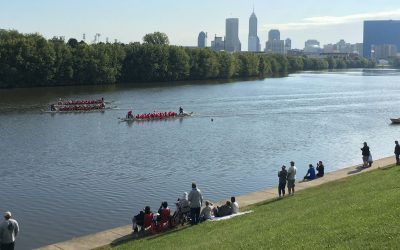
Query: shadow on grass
<point>144,235</point>
<point>358,169</point>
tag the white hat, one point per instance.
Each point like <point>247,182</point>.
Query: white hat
<point>7,214</point>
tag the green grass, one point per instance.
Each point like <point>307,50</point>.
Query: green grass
<point>359,212</point>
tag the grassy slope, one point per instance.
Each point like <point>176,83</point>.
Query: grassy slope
<point>355,213</point>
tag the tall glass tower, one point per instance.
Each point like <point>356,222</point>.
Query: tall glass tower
<point>202,40</point>
<point>232,42</point>
<point>254,41</point>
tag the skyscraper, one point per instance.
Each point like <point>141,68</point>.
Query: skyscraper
<point>274,35</point>
<point>385,32</point>
<point>254,41</point>
<point>232,42</point>
<point>202,40</point>
<point>275,44</point>
<point>288,45</point>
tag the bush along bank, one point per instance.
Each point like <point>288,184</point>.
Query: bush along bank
<point>29,60</point>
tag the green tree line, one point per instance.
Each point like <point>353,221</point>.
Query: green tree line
<point>28,60</point>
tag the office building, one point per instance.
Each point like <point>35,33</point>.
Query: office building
<point>383,32</point>
<point>275,45</point>
<point>357,48</point>
<point>254,41</point>
<point>218,44</point>
<point>274,35</point>
<point>312,46</point>
<point>383,52</point>
<point>343,47</point>
<point>288,45</point>
<point>202,40</point>
<point>232,42</point>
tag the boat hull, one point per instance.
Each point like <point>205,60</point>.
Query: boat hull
<point>395,120</point>
<point>77,111</point>
<point>155,118</point>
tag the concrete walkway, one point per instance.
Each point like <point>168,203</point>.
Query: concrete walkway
<point>122,233</point>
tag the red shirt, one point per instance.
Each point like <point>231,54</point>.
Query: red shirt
<point>165,214</point>
<point>148,219</point>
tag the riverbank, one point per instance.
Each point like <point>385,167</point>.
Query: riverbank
<point>116,235</point>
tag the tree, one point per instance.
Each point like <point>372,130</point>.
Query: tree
<point>73,43</point>
<point>156,38</point>
<point>227,64</point>
<point>178,64</point>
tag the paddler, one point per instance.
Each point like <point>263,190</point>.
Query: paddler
<point>180,110</point>
<point>129,115</point>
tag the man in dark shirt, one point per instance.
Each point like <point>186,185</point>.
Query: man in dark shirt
<point>365,154</point>
<point>223,210</point>
<point>397,152</point>
<point>282,181</point>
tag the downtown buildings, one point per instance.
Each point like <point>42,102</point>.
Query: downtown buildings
<point>381,41</point>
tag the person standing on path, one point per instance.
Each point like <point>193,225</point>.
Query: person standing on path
<point>282,181</point>
<point>397,152</point>
<point>291,178</point>
<point>8,232</point>
<point>195,200</point>
<point>365,154</point>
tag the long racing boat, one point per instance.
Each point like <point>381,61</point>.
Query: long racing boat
<point>79,106</point>
<point>79,110</point>
<point>152,118</point>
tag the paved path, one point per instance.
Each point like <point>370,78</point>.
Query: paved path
<point>113,235</point>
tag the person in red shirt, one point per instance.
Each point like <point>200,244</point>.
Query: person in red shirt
<point>165,212</point>
<point>148,217</point>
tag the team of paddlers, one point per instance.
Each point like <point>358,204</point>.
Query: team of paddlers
<point>83,107</point>
<point>80,102</point>
<point>151,115</point>
<point>79,105</point>
<point>154,115</point>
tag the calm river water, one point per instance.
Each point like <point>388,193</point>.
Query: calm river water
<point>68,175</point>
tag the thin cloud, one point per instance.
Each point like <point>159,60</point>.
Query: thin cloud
<point>311,22</point>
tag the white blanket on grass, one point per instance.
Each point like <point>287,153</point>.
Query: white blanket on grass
<point>213,218</point>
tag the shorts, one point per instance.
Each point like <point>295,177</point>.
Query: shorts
<point>282,185</point>
<point>290,183</point>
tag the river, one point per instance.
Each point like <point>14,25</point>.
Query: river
<point>67,175</point>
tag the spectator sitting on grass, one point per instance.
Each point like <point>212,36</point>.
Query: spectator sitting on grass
<point>310,173</point>
<point>148,217</point>
<point>165,212</point>
<point>138,220</point>
<point>320,169</point>
<point>206,213</point>
<point>223,210</point>
<point>234,205</point>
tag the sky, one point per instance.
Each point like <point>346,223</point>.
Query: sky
<point>182,20</point>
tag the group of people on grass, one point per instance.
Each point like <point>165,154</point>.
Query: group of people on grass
<point>194,200</point>
<point>288,177</point>
<point>163,219</point>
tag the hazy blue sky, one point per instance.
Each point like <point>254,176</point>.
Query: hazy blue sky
<point>182,20</point>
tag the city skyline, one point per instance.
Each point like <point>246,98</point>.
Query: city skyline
<point>129,21</point>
